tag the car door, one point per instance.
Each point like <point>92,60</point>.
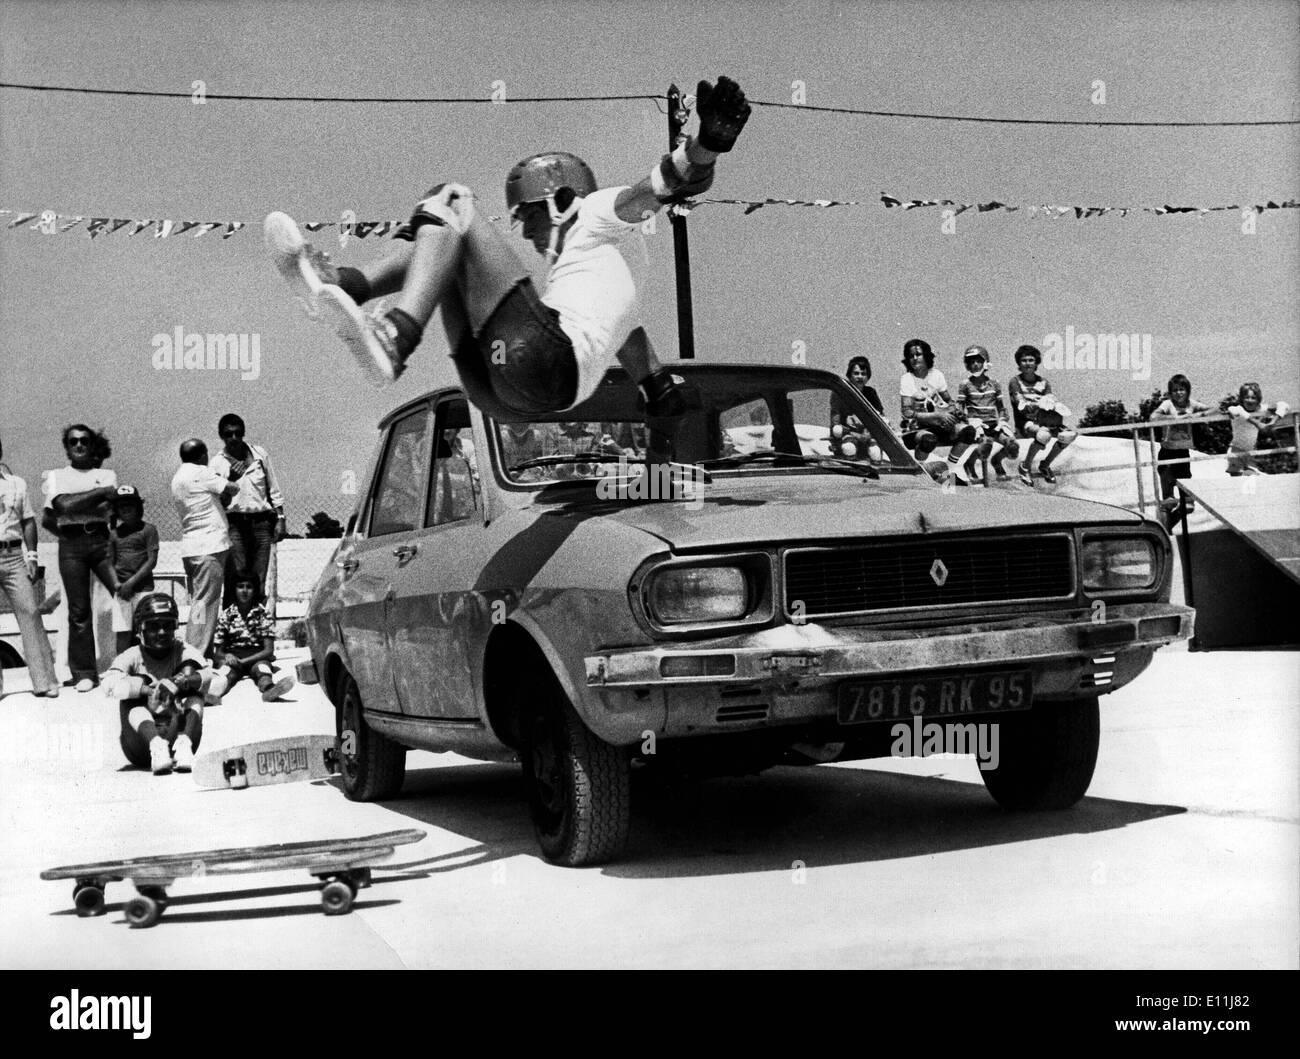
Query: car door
<point>372,568</point>
<point>434,607</point>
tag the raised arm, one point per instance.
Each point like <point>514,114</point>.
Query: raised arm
<point>688,169</point>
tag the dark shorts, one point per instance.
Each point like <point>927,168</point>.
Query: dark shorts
<point>1177,470</point>
<point>521,364</point>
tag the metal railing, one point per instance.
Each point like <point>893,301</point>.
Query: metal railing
<point>1150,427</point>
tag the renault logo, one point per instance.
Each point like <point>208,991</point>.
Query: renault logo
<point>938,572</point>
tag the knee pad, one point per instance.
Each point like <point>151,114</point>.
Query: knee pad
<point>1042,435</point>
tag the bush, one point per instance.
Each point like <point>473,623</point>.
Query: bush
<point>1105,414</point>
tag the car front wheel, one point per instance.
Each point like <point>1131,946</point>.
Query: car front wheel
<point>1047,756</point>
<point>578,785</point>
<point>372,765</point>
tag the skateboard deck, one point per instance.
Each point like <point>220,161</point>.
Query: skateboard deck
<point>341,864</point>
<point>286,760</point>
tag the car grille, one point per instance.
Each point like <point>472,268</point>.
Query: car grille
<point>897,576</point>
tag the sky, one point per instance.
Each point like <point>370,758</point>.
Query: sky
<point>78,317</point>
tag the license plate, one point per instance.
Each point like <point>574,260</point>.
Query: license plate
<point>954,696</point>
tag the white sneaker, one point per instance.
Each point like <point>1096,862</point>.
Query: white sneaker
<point>184,751</point>
<point>371,338</point>
<point>305,268</point>
<point>274,691</point>
<point>160,758</point>
<point>85,684</point>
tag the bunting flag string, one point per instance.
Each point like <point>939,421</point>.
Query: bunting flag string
<point>50,222</point>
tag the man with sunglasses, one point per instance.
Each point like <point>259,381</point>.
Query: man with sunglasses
<point>77,499</point>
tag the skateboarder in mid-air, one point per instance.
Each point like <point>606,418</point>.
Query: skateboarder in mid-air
<point>163,684</point>
<point>520,354</point>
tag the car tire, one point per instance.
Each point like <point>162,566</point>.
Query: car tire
<point>1047,756</point>
<point>377,766</point>
<point>578,785</point>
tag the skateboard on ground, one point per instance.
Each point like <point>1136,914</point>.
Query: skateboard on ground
<point>342,865</point>
<point>287,760</point>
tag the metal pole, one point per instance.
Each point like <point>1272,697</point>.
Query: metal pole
<point>677,117</point>
<point>1137,471</point>
<point>1155,470</point>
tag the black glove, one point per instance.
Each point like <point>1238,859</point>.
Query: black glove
<point>723,113</point>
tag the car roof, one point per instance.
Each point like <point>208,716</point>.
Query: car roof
<point>615,398</point>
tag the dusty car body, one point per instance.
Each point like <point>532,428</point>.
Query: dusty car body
<point>511,591</point>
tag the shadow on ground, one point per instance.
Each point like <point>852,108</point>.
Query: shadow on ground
<point>820,816</point>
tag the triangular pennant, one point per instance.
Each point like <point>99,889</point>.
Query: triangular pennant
<point>185,226</point>
<point>96,225</point>
<point>118,222</point>
<point>231,228</point>
<point>164,229</point>
<point>316,226</point>
<point>363,228</point>
<point>22,218</point>
<point>206,227</point>
<point>140,226</point>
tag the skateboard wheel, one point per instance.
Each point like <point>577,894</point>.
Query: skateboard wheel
<point>88,900</point>
<point>143,910</point>
<point>336,898</point>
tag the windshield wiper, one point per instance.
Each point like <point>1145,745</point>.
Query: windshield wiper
<point>830,463</point>
<point>686,469</point>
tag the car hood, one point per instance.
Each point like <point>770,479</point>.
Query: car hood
<point>762,508</point>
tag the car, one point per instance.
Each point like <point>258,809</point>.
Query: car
<point>744,596</point>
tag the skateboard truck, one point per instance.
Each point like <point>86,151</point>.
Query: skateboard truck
<point>235,769</point>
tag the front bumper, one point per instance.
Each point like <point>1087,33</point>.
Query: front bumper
<point>805,655</point>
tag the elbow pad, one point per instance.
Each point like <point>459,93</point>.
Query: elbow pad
<point>676,177</point>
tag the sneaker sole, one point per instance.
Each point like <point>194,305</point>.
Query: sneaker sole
<point>277,689</point>
<point>285,244</point>
<point>350,325</point>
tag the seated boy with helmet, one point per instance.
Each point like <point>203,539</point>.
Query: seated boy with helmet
<point>519,354</point>
<point>162,683</point>
<point>980,401</point>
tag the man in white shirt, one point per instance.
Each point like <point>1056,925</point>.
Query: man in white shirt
<point>257,513</point>
<point>77,499</point>
<point>202,496</point>
<point>519,354</point>
<point>18,580</point>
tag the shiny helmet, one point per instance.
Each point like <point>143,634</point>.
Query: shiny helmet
<point>541,178</point>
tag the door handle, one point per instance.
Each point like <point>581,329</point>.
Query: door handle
<point>406,552</point>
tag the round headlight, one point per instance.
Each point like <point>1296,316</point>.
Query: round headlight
<point>686,595</point>
<point>1118,563</point>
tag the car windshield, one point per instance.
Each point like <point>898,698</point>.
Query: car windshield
<point>751,420</point>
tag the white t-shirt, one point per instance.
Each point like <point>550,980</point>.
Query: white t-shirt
<point>925,390</point>
<point>204,529</point>
<point>593,286</point>
<point>70,480</point>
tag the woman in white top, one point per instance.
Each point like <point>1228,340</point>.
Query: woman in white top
<point>929,412</point>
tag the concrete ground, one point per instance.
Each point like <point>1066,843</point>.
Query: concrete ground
<point>1186,853</point>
